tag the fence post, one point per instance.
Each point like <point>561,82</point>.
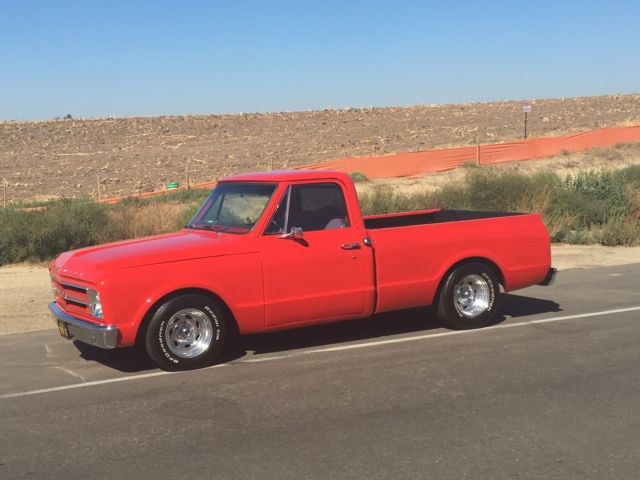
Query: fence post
<point>186,174</point>
<point>478,149</point>
<point>98,189</point>
<point>4,192</point>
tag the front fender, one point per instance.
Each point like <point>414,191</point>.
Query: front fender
<point>130,293</point>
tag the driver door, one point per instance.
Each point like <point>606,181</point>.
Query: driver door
<point>325,275</point>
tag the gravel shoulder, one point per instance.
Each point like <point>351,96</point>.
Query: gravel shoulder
<point>25,290</point>
<point>569,257</point>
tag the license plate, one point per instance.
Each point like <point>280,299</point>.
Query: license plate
<point>64,330</point>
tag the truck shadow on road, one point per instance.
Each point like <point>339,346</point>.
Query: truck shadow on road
<point>379,326</point>
<point>129,360</point>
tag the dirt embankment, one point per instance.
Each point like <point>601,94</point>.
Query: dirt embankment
<point>25,290</point>
<point>69,157</point>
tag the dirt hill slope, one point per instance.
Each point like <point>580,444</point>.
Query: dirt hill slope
<point>66,157</point>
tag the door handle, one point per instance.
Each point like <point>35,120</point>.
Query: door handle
<point>350,246</point>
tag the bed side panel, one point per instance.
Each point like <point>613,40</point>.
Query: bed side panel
<point>411,261</point>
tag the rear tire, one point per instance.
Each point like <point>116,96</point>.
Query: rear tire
<point>186,332</point>
<point>469,297</point>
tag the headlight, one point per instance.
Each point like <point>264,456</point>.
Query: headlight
<point>95,304</point>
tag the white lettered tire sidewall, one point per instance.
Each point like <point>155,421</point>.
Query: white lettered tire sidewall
<point>155,340</point>
<point>449,312</point>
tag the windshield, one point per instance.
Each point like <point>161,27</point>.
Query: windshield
<point>233,207</point>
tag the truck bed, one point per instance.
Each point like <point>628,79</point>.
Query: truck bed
<point>426,217</point>
<point>414,250</point>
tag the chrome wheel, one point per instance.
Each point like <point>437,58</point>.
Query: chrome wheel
<point>471,296</point>
<point>188,333</point>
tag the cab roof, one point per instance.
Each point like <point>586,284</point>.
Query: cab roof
<point>287,176</point>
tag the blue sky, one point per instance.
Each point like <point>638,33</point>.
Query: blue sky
<point>127,58</point>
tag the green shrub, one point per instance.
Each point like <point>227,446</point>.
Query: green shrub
<point>358,177</point>
<point>494,190</point>
<point>630,175</point>
<point>620,230</point>
<point>42,234</point>
<point>451,195</point>
<point>585,209</point>
<point>385,200</point>
<point>604,186</point>
<point>62,225</point>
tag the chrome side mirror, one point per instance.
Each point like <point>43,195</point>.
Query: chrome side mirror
<point>296,233</point>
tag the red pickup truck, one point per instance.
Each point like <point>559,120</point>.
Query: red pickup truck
<point>278,250</point>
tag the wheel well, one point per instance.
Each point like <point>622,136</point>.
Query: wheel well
<point>464,261</point>
<point>142,329</point>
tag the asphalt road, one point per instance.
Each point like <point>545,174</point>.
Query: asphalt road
<point>552,391</point>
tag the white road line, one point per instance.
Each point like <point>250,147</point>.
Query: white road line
<point>328,349</point>
<point>466,332</point>
<point>93,384</point>
<point>268,359</point>
<point>70,372</point>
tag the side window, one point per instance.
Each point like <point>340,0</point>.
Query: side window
<point>277,222</point>
<point>312,207</point>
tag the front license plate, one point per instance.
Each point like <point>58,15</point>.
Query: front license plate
<point>64,330</point>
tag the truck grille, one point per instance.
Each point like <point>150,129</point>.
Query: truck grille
<point>70,295</point>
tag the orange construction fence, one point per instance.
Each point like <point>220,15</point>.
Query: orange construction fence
<point>154,193</point>
<point>417,163</point>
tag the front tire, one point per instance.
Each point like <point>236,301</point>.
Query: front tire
<point>186,332</point>
<point>469,297</point>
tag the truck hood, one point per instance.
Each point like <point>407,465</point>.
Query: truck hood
<point>90,263</point>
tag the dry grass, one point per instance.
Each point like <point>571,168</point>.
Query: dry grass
<point>134,221</point>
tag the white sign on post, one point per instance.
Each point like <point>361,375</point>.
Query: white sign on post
<point>526,108</point>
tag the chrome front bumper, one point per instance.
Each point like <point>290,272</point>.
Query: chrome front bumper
<point>102,336</point>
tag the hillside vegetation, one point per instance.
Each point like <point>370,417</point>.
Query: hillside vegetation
<point>590,206</point>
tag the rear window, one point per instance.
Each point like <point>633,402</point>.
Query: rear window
<point>321,199</point>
